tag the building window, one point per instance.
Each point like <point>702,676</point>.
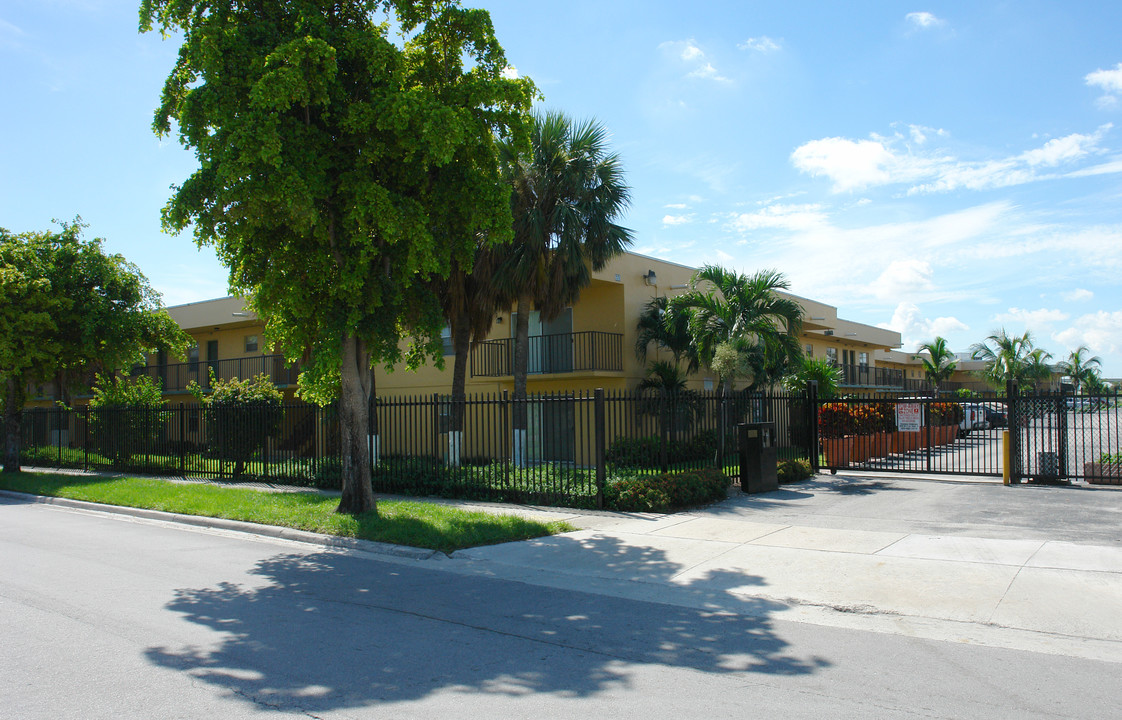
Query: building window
<point>250,343</point>
<point>707,383</point>
<point>863,359</point>
<point>832,355</point>
<point>446,338</point>
<point>810,351</point>
<point>193,358</point>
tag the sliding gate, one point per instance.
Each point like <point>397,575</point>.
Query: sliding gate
<point>913,435</point>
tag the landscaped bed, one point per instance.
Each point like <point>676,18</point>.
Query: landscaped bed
<point>417,524</point>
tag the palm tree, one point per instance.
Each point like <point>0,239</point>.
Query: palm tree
<point>567,192</point>
<point>939,364</point>
<point>1079,367</point>
<point>819,370</point>
<point>1037,370</point>
<point>741,325</point>
<point>670,332</point>
<point>1005,356</point>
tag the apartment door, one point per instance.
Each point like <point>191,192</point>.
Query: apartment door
<point>212,357</point>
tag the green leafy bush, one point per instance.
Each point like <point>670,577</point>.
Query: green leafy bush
<point>646,451</point>
<point>793,470</point>
<point>240,417</point>
<point>127,417</point>
<point>664,492</point>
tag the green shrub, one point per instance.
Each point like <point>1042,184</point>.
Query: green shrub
<point>127,417</point>
<point>664,492</point>
<point>240,416</point>
<point>793,470</point>
<point>646,451</point>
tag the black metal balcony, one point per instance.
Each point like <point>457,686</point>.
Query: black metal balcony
<point>867,376</point>
<point>176,377</point>
<point>562,353</point>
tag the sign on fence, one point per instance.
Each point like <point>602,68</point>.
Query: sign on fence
<point>909,417</point>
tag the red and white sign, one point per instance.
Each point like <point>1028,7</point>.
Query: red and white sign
<point>909,417</point>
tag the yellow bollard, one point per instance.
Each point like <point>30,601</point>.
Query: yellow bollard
<point>1006,459</point>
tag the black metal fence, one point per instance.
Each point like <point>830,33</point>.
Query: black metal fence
<point>566,451</point>
<point>1065,436</point>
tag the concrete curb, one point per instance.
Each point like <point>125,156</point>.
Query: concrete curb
<point>332,541</point>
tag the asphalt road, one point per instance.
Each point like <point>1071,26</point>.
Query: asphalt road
<point>109,617</point>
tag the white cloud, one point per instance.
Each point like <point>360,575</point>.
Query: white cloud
<point>1100,331</point>
<point>762,44</point>
<point>796,218</point>
<point>1071,147</point>
<point>510,72</point>
<point>1078,295</point>
<point>1032,319</point>
<point>1104,169</point>
<point>692,55</point>
<point>903,278</point>
<point>915,329</point>
<point>1110,81</point>
<point>879,161</point>
<point>924,20</point>
<point>671,220</point>
<point>676,206</point>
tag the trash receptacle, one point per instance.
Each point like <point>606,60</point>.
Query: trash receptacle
<point>758,457</point>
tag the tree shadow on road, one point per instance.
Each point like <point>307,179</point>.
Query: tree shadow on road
<point>333,630</point>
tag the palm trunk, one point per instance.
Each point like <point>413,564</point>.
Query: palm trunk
<point>521,367</point>
<point>13,410</point>
<point>354,407</point>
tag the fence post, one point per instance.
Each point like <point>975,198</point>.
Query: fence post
<point>436,454</point>
<point>812,425</point>
<point>1013,421</point>
<point>601,435</point>
<point>722,430</point>
<point>183,439</point>
<point>1066,390</point>
<point>86,438</point>
<point>663,455</point>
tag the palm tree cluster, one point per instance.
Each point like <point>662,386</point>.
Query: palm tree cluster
<point>740,326</point>
<point>1016,358</point>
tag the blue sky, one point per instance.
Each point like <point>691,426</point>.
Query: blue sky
<point>937,168</point>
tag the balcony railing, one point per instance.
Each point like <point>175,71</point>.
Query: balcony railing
<point>176,377</point>
<point>871,377</point>
<point>562,353</point>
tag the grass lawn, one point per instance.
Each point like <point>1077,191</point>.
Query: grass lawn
<point>417,524</point>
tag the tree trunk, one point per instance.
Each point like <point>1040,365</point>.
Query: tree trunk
<point>461,341</point>
<point>521,367</point>
<point>13,409</point>
<point>354,408</point>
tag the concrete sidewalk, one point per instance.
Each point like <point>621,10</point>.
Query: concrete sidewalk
<point>1034,593</point>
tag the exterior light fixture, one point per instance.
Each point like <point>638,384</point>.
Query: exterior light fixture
<point>650,278</point>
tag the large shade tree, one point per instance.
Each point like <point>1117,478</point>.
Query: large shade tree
<point>939,363</point>
<point>568,192</point>
<point>67,310</point>
<point>341,170</point>
<point>742,326</point>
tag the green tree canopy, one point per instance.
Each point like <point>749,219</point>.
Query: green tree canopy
<point>341,171</point>
<point>66,310</point>
<point>1006,357</point>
